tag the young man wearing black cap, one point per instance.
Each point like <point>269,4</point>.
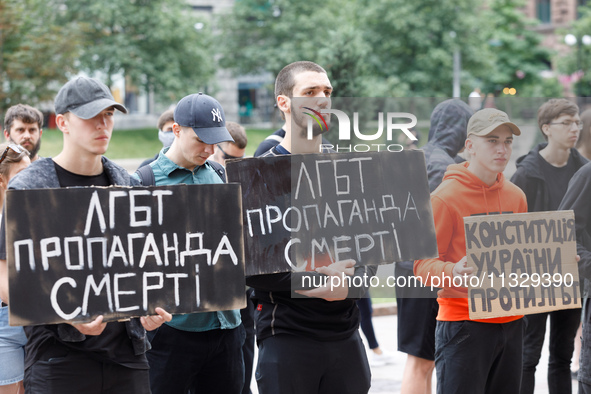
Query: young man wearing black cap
<point>196,352</point>
<point>93,357</point>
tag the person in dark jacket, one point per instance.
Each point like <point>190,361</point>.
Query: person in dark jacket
<point>308,345</point>
<point>270,142</point>
<point>577,198</point>
<point>543,175</point>
<point>95,357</point>
<point>417,307</point>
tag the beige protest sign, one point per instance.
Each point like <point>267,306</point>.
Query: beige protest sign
<point>523,263</point>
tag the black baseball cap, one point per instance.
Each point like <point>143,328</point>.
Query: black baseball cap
<point>205,116</point>
<point>86,98</point>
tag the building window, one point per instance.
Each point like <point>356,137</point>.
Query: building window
<point>543,10</point>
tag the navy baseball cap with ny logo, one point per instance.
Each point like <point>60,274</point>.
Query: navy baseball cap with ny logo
<point>205,116</point>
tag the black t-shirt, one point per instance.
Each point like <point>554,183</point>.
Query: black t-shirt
<point>557,179</point>
<point>69,179</point>
<point>114,344</point>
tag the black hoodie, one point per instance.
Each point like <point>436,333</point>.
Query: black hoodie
<point>447,135</point>
<point>530,178</point>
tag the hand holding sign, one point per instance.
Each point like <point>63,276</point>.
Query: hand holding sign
<point>346,267</point>
<point>524,263</point>
<point>333,290</point>
<point>153,322</point>
<point>462,270</point>
<point>95,327</point>
<point>122,253</point>
<point>365,206</point>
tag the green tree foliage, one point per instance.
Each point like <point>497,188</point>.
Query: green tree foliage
<point>369,48</point>
<point>36,53</point>
<point>154,43</point>
<point>579,58</point>
<point>416,40</point>
<point>266,35</point>
<point>387,47</point>
<point>519,58</point>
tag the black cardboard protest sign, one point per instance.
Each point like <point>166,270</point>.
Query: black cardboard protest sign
<point>523,263</point>
<point>121,252</point>
<point>303,211</point>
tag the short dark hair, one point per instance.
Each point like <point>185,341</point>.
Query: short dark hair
<point>554,108</point>
<point>285,80</point>
<point>238,134</point>
<point>24,113</point>
<point>167,116</point>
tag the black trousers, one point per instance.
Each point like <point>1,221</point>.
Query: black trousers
<point>196,362</point>
<point>247,316</point>
<point>563,329</point>
<point>473,357</point>
<point>290,364</point>
<point>64,371</point>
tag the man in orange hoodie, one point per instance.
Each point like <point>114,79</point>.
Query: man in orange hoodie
<point>474,356</point>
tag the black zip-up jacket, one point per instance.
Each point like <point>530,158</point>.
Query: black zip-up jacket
<point>530,178</point>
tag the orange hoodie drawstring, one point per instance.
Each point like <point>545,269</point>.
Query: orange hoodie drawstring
<point>485,200</point>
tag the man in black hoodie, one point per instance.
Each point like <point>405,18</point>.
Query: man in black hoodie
<point>543,175</point>
<point>417,308</point>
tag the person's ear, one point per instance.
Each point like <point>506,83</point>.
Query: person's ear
<point>284,103</point>
<point>61,122</point>
<point>176,129</point>
<point>546,129</point>
<point>469,145</point>
<point>6,134</point>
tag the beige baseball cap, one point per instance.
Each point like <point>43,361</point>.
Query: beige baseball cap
<point>486,120</point>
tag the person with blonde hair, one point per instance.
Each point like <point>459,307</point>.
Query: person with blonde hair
<point>13,159</point>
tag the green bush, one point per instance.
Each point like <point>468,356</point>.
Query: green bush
<point>135,144</point>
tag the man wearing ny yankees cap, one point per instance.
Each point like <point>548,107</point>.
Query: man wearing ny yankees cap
<point>196,352</point>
